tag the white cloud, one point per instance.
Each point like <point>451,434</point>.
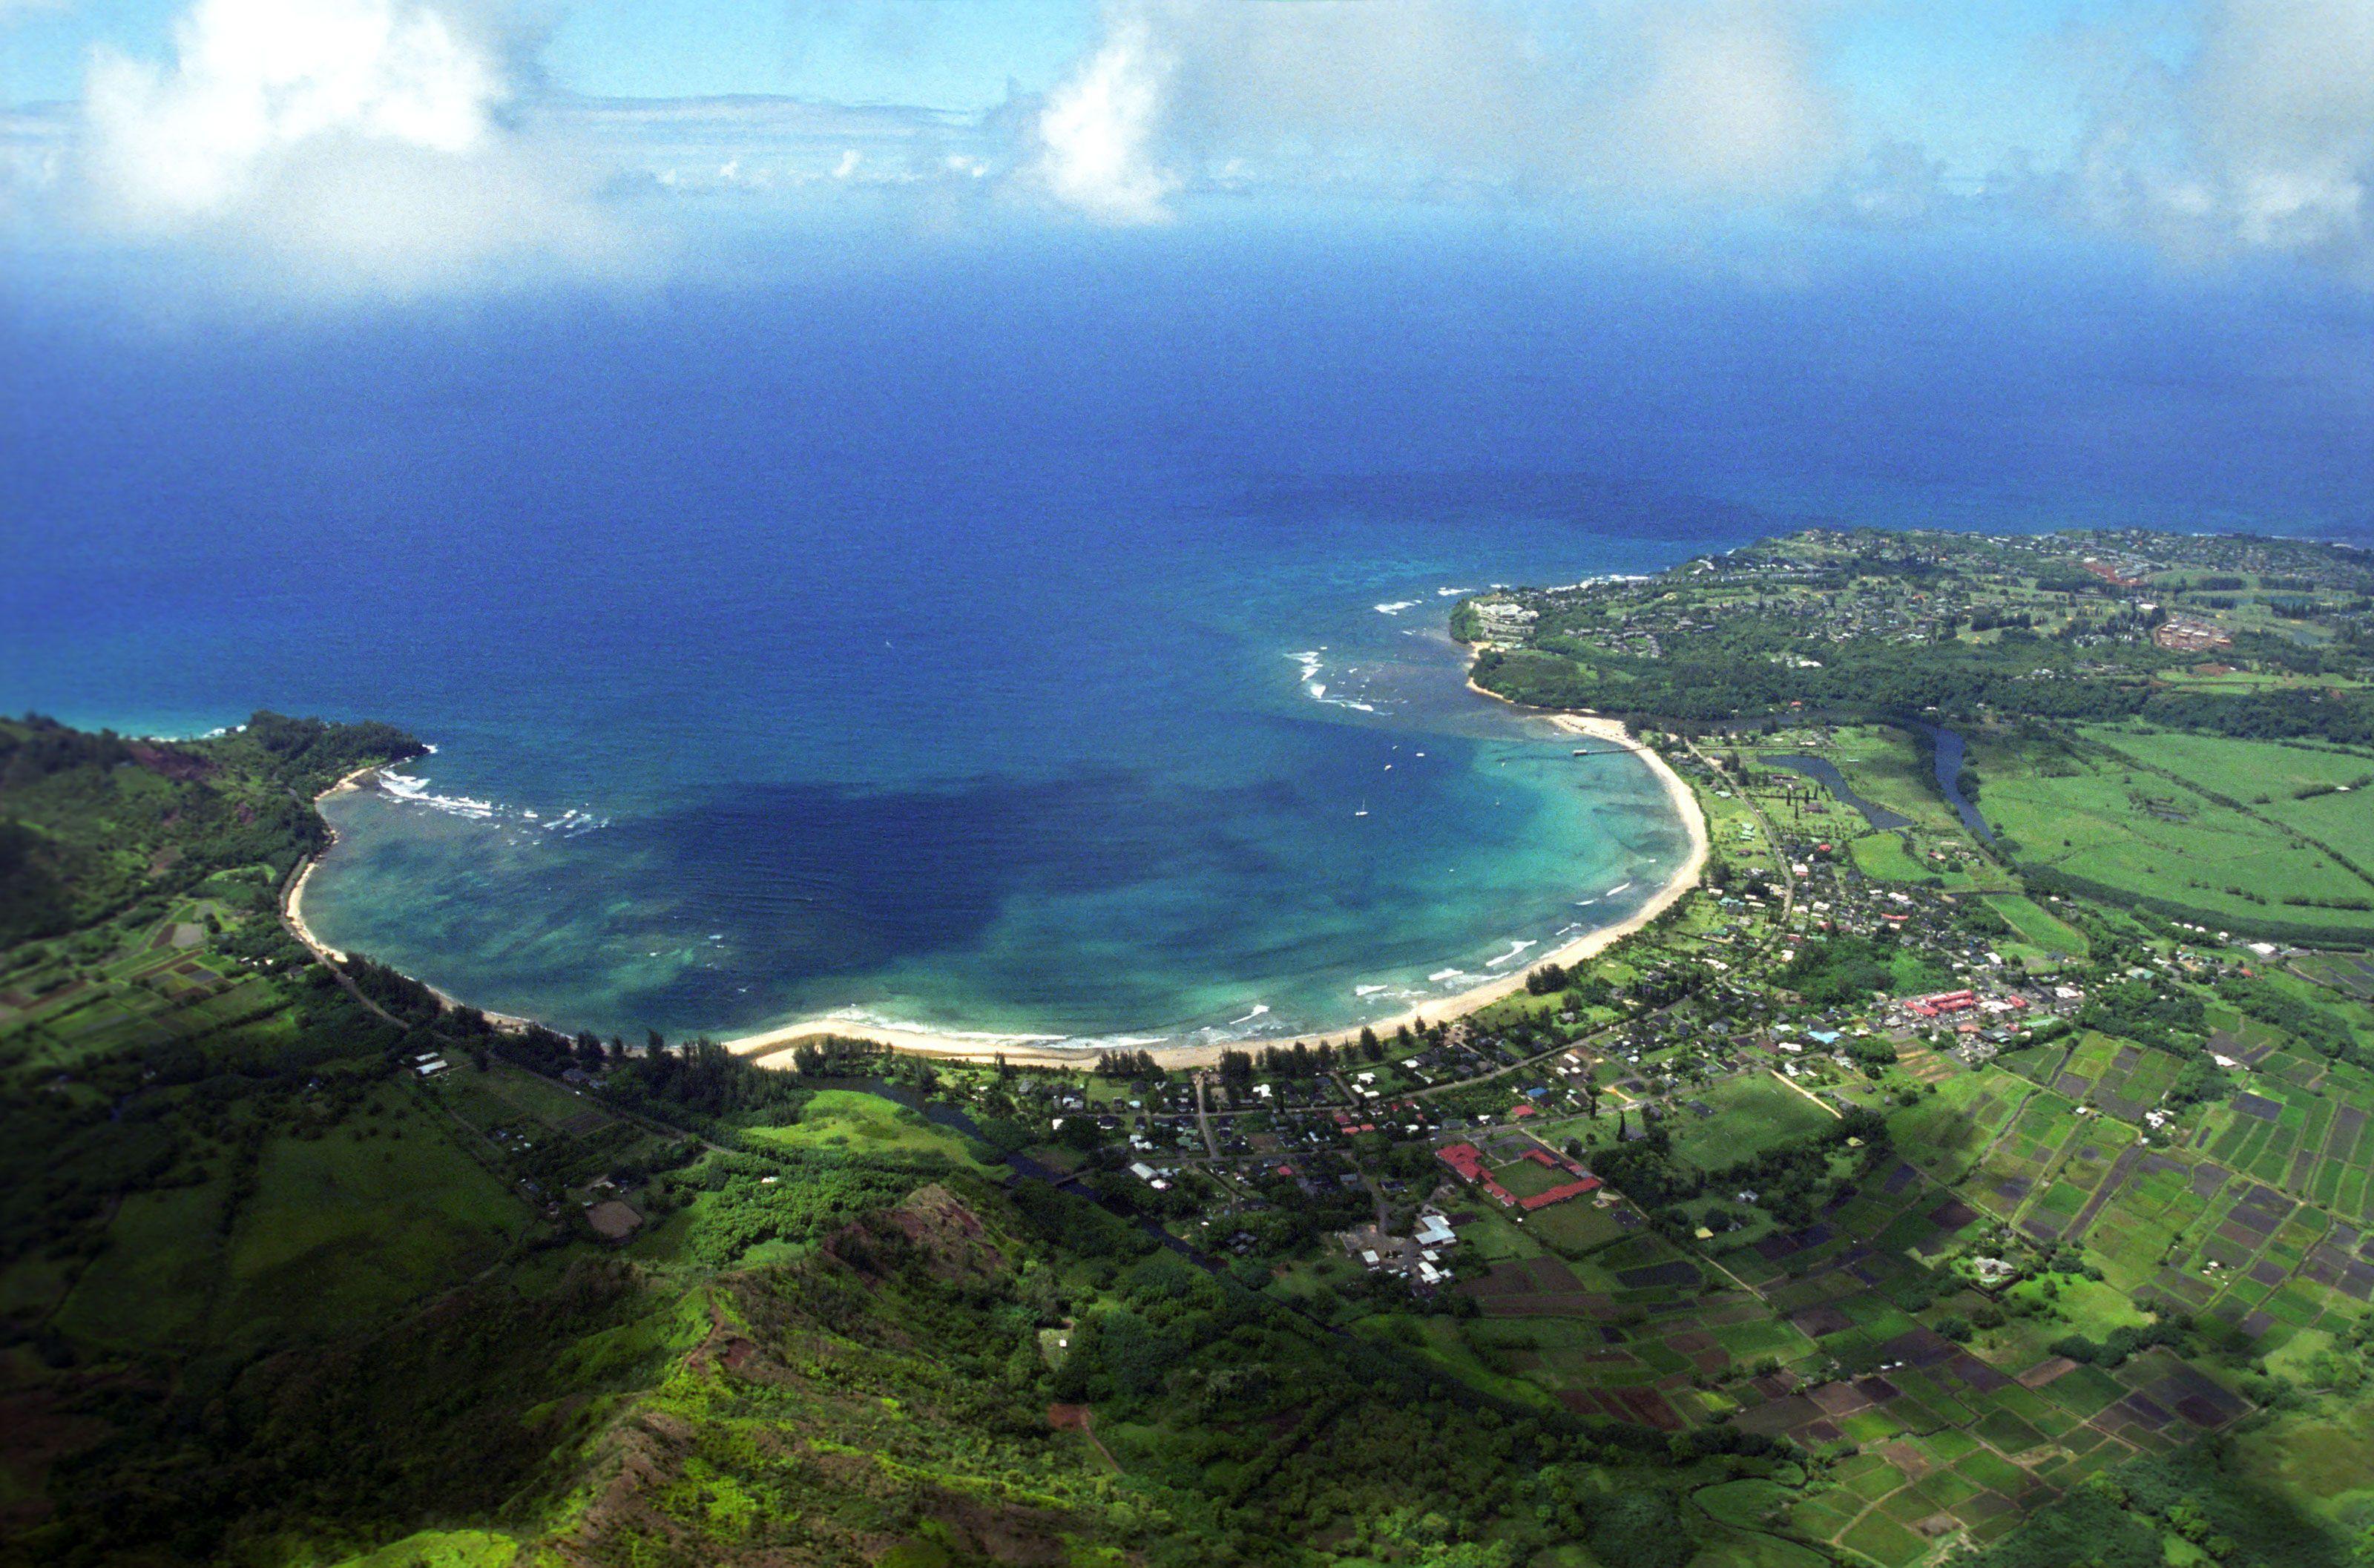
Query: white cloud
<point>1730,101</point>
<point>359,143</point>
<point>2265,140</point>
<point>1591,96</point>
<point>1097,128</point>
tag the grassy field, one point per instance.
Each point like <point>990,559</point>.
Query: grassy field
<point>2314,791</point>
<point>346,1224</point>
<point>1752,1113</point>
<point>342,1223</point>
<point>2037,927</point>
<point>856,1122</point>
<point>2108,816</point>
<point>1883,857</point>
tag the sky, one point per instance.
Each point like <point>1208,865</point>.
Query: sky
<point>342,148</point>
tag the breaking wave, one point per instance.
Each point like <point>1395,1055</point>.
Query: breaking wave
<point>412,790</point>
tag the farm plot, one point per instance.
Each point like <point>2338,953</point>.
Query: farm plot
<point>2015,1166</point>
<point>1746,1115</point>
<point>2098,815</point>
<point>1946,1133</point>
<point>2350,972</point>
<point>2100,1153</point>
<point>2140,1211</point>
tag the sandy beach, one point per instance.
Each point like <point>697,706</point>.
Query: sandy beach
<point>779,1042</point>
<point>293,909</point>
<point>773,1047</point>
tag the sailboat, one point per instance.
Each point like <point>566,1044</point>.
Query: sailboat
<point>1363,810</point>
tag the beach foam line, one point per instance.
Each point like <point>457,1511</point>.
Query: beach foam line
<point>1369,991</point>
<point>1452,592</point>
<point>982,1036</point>
<point>412,790</point>
<point>415,791</point>
<point>1616,889</point>
<point>1397,606</point>
<point>1516,950</point>
<point>1259,1008</point>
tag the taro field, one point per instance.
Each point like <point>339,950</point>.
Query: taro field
<point>1835,1337</point>
<point>1944,1410</point>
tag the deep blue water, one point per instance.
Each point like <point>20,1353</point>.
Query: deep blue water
<point>927,639</point>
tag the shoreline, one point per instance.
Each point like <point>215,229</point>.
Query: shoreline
<point>1026,1052</point>
<point>953,1045</point>
<point>292,903</point>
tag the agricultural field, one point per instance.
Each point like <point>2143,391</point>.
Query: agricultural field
<point>2315,790</point>
<point>1838,1334</point>
<point>2351,974</point>
<point>1748,1115</point>
<point>2120,822</point>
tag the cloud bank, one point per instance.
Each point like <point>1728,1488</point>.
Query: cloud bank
<point>409,144</point>
<point>2264,142</point>
<point>1437,97</point>
<point>1097,130</point>
<point>360,143</point>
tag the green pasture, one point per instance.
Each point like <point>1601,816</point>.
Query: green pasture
<point>2271,777</point>
<point>150,1288</point>
<point>343,1225</point>
<point>852,1121</point>
<point>1882,856</point>
<point>2097,815</point>
<point>2037,926</point>
<point>1752,1113</point>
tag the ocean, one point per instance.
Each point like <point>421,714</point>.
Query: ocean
<point>1043,644</point>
